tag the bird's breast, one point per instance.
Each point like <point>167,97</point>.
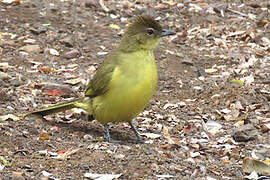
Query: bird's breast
<point>132,85</point>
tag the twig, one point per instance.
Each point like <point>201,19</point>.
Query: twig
<point>237,12</point>
<point>101,2</point>
<point>265,82</point>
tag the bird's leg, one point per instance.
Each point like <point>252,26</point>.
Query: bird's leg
<point>139,138</point>
<point>107,134</point>
<point>90,117</point>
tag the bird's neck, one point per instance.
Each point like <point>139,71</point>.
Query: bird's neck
<point>129,45</point>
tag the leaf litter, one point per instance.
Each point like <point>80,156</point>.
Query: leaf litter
<point>209,118</point>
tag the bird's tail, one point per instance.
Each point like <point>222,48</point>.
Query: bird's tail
<point>56,108</point>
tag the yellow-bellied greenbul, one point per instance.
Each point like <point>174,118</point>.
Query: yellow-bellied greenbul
<point>125,82</point>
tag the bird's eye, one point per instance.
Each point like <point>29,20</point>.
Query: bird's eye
<point>150,31</point>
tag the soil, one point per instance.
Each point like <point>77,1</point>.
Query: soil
<point>216,69</point>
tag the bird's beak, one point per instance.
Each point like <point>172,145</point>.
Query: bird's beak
<point>167,32</point>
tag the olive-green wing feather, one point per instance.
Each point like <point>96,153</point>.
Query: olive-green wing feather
<point>101,80</point>
<point>97,86</point>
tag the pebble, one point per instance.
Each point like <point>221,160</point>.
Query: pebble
<point>245,133</point>
<point>17,175</point>
<point>29,41</point>
<point>67,42</point>
<point>91,4</point>
<point>72,54</point>
<point>31,48</point>
<point>2,84</point>
<point>187,61</point>
<point>53,52</point>
<point>4,76</point>
<point>15,82</point>
<point>38,30</point>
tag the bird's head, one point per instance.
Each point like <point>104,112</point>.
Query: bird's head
<point>144,33</point>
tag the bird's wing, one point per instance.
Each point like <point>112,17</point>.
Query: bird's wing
<point>101,80</point>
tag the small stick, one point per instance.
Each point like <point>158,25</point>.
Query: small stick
<point>237,12</point>
<point>101,2</point>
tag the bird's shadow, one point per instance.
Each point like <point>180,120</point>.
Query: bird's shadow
<point>93,129</point>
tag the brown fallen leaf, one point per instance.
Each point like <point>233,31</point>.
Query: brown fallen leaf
<point>56,90</point>
<point>44,136</point>
<point>164,146</point>
<point>52,92</point>
<point>250,165</point>
<point>189,129</point>
<point>169,3</point>
<point>73,81</point>
<point>47,69</point>
<point>169,138</point>
<point>64,155</point>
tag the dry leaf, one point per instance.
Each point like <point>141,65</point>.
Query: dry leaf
<point>210,71</point>
<point>9,116</point>
<point>65,154</point>
<point>114,26</point>
<point>73,81</point>
<point>237,82</point>
<point>52,92</point>
<point>5,162</point>
<point>168,137</point>
<point>250,165</point>
<point>151,135</point>
<point>44,136</point>
<point>102,176</point>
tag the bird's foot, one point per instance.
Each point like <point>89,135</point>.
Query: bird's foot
<point>139,137</point>
<point>90,117</point>
<point>111,140</point>
<point>140,141</point>
<point>107,135</point>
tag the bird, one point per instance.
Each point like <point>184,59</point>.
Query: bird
<point>126,80</point>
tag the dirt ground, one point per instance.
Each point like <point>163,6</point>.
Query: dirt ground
<point>209,117</point>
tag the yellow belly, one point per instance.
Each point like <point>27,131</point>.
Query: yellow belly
<point>131,88</point>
